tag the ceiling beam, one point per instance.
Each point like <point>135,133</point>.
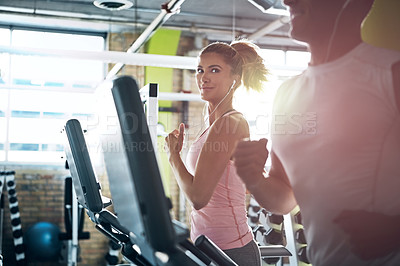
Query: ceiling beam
<point>114,57</point>
<point>136,59</point>
<point>276,24</point>
<point>169,9</point>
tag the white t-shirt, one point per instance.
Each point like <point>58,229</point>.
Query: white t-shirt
<point>336,130</point>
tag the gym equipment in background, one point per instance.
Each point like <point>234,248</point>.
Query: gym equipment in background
<point>143,219</point>
<point>74,221</point>
<point>88,191</point>
<point>8,178</point>
<point>267,230</point>
<point>89,195</point>
<point>1,227</point>
<point>42,242</point>
<point>112,256</point>
<point>300,239</point>
<point>270,230</point>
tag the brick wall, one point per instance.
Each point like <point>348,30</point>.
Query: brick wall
<point>40,193</point>
<point>122,42</point>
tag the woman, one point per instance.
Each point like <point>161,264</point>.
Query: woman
<point>209,180</point>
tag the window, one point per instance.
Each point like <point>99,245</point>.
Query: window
<point>257,107</point>
<point>54,71</point>
<point>39,94</point>
<point>297,58</point>
<point>36,120</point>
<point>4,58</point>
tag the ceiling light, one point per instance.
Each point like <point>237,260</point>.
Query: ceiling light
<point>277,11</point>
<point>274,7</point>
<point>113,5</point>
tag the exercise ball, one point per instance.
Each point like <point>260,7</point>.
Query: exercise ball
<point>42,242</point>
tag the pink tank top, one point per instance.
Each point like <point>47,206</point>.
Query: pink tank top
<point>224,218</point>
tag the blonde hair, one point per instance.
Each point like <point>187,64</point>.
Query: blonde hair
<point>244,58</point>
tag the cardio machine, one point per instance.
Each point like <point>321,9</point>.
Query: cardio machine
<point>143,226</point>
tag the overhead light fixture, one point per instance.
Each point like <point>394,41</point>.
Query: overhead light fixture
<point>273,7</point>
<point>277,11</point>
<point>113,5</point>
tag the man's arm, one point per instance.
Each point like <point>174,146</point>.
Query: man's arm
<point>273,192</point>
<point>371,235</point>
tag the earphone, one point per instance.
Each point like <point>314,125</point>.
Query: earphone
<point>233,84</point>
<point>335,28</point>
<point>226,95</point>
<point>208,116</point>
<point>346,3</point>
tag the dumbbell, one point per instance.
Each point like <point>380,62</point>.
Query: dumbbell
<point>300,237</point>
<point>302,253</point>
<point>297,218</point>
<point>275,219</point>
<point>273,237</point>
<point>252,218</point>
<point>258,233</point>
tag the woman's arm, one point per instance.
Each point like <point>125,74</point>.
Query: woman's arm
<point>213,159</point>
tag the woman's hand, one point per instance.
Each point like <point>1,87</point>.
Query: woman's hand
<point>174,140</point>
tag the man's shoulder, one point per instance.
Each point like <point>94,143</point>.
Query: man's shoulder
<point>378,56</point>
<point>292,81</point>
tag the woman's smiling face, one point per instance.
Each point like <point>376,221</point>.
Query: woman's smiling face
<point>213,77</point>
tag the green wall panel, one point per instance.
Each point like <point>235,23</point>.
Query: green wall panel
<point>163,42</point>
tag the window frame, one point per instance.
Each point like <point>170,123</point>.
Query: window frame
<point>8,87</point>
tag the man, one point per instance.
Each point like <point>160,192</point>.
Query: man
<point>335,140</point>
